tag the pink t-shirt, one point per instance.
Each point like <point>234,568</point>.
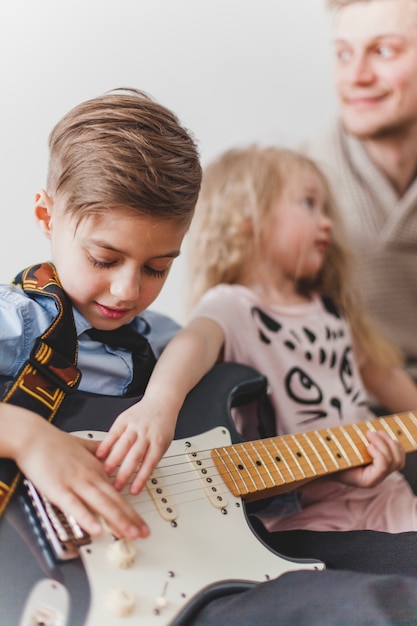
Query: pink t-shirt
<point>306,352</point>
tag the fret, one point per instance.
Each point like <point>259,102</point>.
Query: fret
<point>360,432</point>
<point>324,442</point>
<point>360,442</point>
<point>272,464</point>
<point>387,427</point>
<point>227,470</point>
<point>412,417</point>
<point>260,449</point>
<point>412,443</point>
<point>255,464</point>
<point>345,431</point>
<point>341,453</point>
<point>244,474</point>
<point>280,458</point>
<point>316,452</point>
<point>309,469</point>
<point>298,470</point>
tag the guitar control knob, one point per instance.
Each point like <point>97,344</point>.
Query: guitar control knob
<point>120,602</point>
<point>121,553</point>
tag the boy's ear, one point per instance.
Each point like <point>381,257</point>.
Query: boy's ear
<point>43,212</point>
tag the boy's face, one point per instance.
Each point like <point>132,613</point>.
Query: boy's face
<point>113,265</point>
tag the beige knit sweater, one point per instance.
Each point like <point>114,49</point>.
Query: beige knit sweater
<point>383,231</point>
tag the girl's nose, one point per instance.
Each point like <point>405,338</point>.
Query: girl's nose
<point>326,223</point>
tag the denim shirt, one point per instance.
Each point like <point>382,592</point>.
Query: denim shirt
<point>104,369</point>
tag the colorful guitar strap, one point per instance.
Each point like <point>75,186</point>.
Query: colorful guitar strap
<point>51,369</point>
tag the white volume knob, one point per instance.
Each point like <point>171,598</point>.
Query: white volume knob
<point>121,553</point>
<point>120,602</point>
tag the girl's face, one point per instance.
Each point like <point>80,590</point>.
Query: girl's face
<point>298,233</point>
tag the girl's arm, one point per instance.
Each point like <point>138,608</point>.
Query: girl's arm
<point>66,471</point>
<point>392,387</point>
<point>142,433</point>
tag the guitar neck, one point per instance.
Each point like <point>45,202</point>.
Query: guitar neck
<point>266,467</point>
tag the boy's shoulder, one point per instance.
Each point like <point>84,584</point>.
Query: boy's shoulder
<point>16,307</point>
<point>158,329</point>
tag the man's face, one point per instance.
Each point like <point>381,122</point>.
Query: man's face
<point>376,67</point>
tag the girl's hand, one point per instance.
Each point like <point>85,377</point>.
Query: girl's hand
<point>387,456</point>
<point>64,468</point>
<point>137,440</point>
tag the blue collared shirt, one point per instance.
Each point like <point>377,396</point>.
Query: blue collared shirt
<point>104,369</point>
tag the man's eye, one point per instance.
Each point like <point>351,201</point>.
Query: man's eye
<point>385,52</point>
<point>344,55</point>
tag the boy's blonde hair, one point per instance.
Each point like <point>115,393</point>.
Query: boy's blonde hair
<point>124,149</point>
<point>238,192</point>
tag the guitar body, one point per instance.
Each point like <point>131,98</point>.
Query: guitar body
<point>200,536</point>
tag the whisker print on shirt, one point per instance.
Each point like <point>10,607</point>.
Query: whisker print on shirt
<point>311,399</point>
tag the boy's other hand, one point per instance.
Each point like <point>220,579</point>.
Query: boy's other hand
<point>66,470</point>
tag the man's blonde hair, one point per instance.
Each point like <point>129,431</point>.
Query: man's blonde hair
<point>238,192</point>
<point>335,5</point>
<point>124,149</point>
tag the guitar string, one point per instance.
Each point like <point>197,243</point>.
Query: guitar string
<point>170,481</point>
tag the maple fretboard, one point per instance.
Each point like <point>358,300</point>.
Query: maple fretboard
<point>255,469</point>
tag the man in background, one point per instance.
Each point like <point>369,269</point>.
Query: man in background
<point>370,156</point>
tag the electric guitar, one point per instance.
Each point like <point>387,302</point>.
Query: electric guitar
<point>201,544</point>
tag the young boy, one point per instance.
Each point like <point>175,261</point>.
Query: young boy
<point>122,184</point>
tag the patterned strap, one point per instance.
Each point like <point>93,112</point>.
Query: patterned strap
<point>51,369</point>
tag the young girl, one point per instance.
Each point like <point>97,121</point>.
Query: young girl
<point>271,272</point>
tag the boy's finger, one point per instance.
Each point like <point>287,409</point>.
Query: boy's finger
<point>131,464</point>
<point>118,513</point>
<point>146,469</point>
<point>106,445</point>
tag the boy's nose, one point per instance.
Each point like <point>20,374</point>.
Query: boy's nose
<point>126,287</point>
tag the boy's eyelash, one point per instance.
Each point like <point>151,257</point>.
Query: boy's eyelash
<point>154,272</point>
<point>147,269</point>
<point>102,264</point>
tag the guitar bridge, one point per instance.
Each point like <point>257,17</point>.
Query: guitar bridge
<point>62,532</point>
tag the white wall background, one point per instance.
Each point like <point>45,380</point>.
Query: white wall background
<point>234,71</point>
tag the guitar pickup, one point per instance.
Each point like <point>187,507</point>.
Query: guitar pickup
<point>208,477</point>
<point>62,532</point>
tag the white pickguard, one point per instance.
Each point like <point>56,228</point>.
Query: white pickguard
<point>204,545</point>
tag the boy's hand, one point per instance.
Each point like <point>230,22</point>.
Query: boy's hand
<point>388,456</point>
<point>139,437</point>
<point>65,469</point>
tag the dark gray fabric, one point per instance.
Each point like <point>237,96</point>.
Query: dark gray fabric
<point>329,598</point>
<point>366,551</point>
